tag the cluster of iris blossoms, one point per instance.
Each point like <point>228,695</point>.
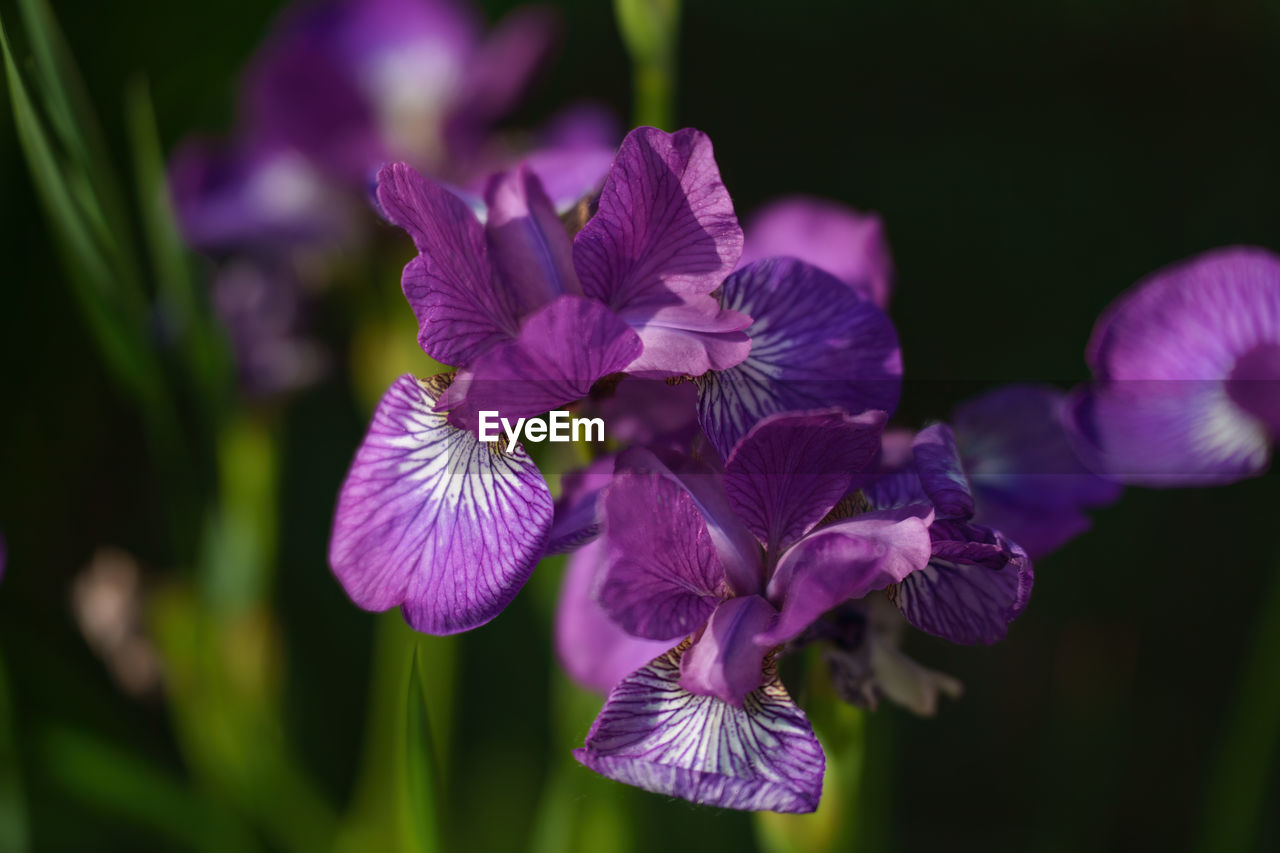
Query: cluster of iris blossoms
<point>751,502</point>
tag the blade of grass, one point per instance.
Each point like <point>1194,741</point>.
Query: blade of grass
<point>421,781</point>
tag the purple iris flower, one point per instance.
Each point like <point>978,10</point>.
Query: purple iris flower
<point>847,243</point>
<point>1187,374</point>
<point>1026,479</point>
<point>977,580</point>
<point>739,563</point>
<point>429,517</point>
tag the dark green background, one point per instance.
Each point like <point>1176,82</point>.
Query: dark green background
<point>1031,160</point>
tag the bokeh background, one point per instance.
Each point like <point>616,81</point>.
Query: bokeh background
<point>1030,160</point>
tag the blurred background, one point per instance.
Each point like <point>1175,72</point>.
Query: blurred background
<point>1030,162</point>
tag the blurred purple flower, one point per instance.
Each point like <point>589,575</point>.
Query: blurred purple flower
<point>845,242</point>
<point>740,562</point>
<point>1187,374</point>
<point>429,517</point>
<point>977,581</point>
<point>1026,479</point>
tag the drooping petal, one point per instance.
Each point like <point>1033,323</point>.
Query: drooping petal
<point>976,583</point>
<point>665,226</point>
<point>594,649</point>
<point>737,549</point>
<point>655,735</point>
<point>560,352</point>
<point>664,578</point>
<point>937,462</point>
<point>725,661</point>
<point>688,337</point>
<point>1165,354</point>
<point>843,561</point>
<point>846,243</point>
<point>461,308</point>
<point>791,469</point>
<point>431,519</point>
<point>527,241</point>
<point>1027,481</point>
<point>815,344</point>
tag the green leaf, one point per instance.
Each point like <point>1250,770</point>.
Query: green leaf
<point>421,783</point>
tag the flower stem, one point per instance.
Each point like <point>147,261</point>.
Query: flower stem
<point>650,29</point>
<point>1245,759</point>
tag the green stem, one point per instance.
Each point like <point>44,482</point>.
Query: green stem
<point>650,29</point>
<point>1246,756</point>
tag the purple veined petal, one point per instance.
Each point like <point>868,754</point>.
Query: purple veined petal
<point>652,412</point>
<point>559,354</point>
<point>975,585</point>
<point>528,243</point>
<point>461,309</point>
<point>688,338</point>
<point>1165,433</point>
<point>432,520</point>
<point>578,518</point>
<point>937,462</point>
<point>846,243</point>
<point>663,579</point>
<point>657,736</point>
<point>665,225</point>
<point>725,661</point>
<point>1027,481</point>
<point>895,482</point>
<point>593,649</point>
<point>790,470</point>
<point>845,560</point>
<point>737,549</point>
<point>815,344</point>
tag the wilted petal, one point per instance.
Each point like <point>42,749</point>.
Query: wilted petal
<point>593,649</point>
<point>530,247</point>
<point>815,344</point>
<point>1027,481</point>
<point>843,561</point>
<point>1166,354</point>
<point>665,226</point>
<point>846,243</point>
<point>560,352</point>
<point>433,520</point>
<point>655,735</point>
<point>664,578</point>
<point>725,661</point>
<point>461,308</point>
<point>976,583</point>
<point>791,469</point>
<point>937,462</point>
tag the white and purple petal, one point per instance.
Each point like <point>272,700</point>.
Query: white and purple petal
<point>663,579</point>
<point>432,520</point>
<point>815,344</point>
<point>846,243</point>
<point>657,736</point>
<point>462,309</point>
<point>791,468</point>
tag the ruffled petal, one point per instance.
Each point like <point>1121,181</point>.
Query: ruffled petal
<point>593,649</point>
<point>791,469</point>
<point>975,585</point>
<point>846,243</point>
<point>665,226</point>
<point>725,661</point>
<point>815,344</point>
<point>461,309</point>
<point>560,352</point>
<point>664,578</point>
<point>688,337</point>
<point>845,560</point>
<point>655,735</point>
<point>529,245</point>
<point>431,519</point>
<point>937,462</point>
